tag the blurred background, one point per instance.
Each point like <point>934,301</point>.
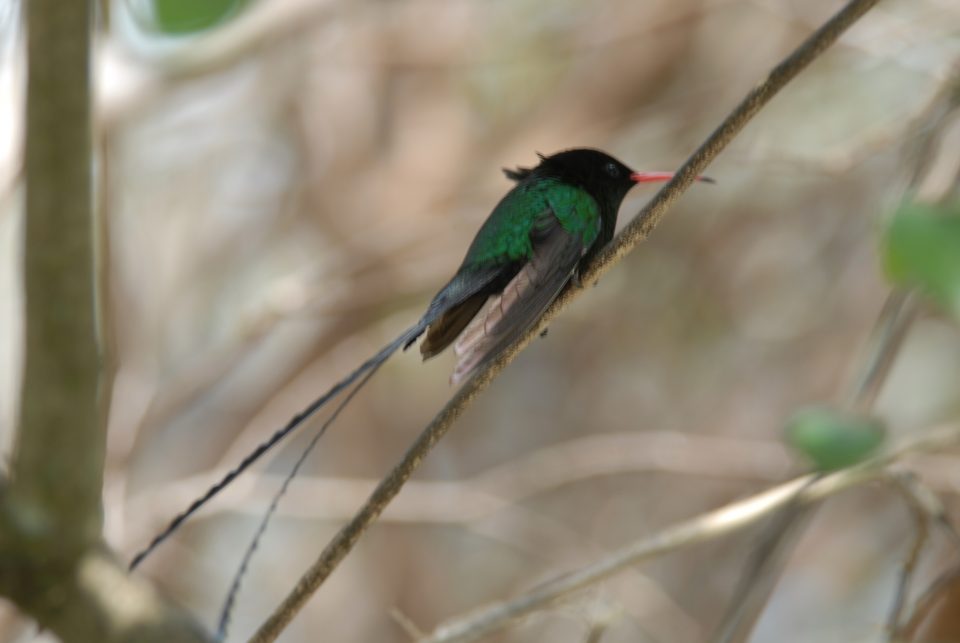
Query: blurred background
<point>286,184</point>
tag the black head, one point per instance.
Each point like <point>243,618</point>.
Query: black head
<point>604,177</point>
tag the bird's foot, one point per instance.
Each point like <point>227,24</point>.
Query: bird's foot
<point>576,280</point>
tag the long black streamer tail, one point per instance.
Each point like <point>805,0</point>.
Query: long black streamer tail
<point>405,340</point>
<point>234,590</point>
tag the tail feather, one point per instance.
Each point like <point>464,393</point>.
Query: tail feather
<point>227,609</point>
<point>450,324</point>
<point>405,339</point>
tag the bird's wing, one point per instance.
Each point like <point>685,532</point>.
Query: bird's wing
<point>555,255</point>
<point>456,304</point>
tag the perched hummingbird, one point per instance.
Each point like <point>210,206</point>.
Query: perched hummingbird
<point>538,239</point>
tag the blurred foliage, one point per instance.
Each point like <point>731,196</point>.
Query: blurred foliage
<point>833,439</point>
<point>180,17</point>
<point>922,249</point>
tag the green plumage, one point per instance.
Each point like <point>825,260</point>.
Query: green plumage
<point>506,234</point>
<point>546,229</point>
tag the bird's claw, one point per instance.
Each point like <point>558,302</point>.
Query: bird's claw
<point>576,280</point>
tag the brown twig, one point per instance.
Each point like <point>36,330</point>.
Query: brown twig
<point>406,624</point>
<point>898,313</point>
<point>721,522</point>
<point>905,579</point>
<point>925,508</point>
<point>923,499</point>
<point>635,232</point>
<point>769,558</point>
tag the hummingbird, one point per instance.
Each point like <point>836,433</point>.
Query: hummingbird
<point>537,241</point>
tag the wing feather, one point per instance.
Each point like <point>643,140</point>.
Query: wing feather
<point>522,301</point>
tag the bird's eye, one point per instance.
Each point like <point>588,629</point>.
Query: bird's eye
<point>612,170</point>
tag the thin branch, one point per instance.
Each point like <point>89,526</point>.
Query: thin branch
<point>905,580</point>
<point>707,527</point>
<point>406,624</point>
<point>765,564</point>
<point>635,232</point>
<point>769,558</point>
<point>921,535</point>
<point>898,313</point>
<point>923,499</point>
<point>925,508</point>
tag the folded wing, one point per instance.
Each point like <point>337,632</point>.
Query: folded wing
<point>523,300</point>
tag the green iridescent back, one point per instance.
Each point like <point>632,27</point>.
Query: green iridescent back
<point>505,236</point>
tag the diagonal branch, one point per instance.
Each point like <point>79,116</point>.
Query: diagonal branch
<point>635,232</point>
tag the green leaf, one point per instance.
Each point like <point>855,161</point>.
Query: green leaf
<point>832,439</point>
<point>189,16</point>
<point>922,249</point>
